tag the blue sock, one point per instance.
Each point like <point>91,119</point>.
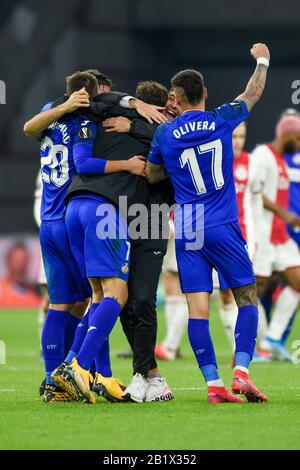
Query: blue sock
<point>103,360</point>
<point>53,340</point>
<point>245,335</point>
<point>202,345</point>
<point>93,369</point>
<point>70,332</point>
<point>80,334</point>
<point>101,324</point>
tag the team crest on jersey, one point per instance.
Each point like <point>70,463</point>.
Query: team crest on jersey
<point>85,133</point>
<point>125,268</point>
<point>241,172</point>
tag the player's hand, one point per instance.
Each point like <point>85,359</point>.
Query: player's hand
<point>260,50</point>
<point>117,124</point>
<point>137,165</point>
<point>78,99</point>
<point>148,111</point>
<point>292,219</point>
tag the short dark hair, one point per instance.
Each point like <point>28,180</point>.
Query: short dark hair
<point>152,93</point>
<point>102,79</point>
<point>82,79</point>
<point>189,84</point>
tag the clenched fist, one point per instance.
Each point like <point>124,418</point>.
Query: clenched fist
<point>260,50</point>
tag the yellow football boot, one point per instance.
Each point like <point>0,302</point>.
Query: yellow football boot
<point>53,393</point>
<point>110,388</point>
<point>79,380</point>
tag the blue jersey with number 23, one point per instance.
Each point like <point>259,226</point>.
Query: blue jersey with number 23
<point>57,162</point>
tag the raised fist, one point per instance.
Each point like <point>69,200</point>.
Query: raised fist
<point>260,50</point>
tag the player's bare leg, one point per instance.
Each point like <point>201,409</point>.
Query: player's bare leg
<point>228,314</point>
<point>176,316</point>
<point>245,339</point>
<point>285,307</point>
<point>202,345</point>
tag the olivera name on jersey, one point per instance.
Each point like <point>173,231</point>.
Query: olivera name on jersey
<point>194,126</point>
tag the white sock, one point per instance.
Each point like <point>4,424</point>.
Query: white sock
<point>176,321</point>
<point>41,320</point>
<point>262,322</point>
<point>285,306</point>
<point>228,315</point>
<point>215,383</point>
<point>243,369</point>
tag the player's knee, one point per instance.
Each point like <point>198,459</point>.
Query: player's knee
<point>295,285</point>
<point>120,296</point>
<point>79,308</point>
<point>227,297</point>
<point>245,295</point>
<point>199,316</point>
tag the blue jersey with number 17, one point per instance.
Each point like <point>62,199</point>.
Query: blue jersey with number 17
<point>57,163</point>
<point>196,151</point>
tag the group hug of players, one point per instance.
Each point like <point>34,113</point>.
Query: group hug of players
<point>98,146</point>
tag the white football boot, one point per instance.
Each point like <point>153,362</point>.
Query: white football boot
<point>136,390</point>
<point>158,390</point>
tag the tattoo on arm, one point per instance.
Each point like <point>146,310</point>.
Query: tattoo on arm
<point>155,173</point>
<point>255,86</point>
<point>246,295</point>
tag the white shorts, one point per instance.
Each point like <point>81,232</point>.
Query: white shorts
<point>270,258</point>
<point>37,217</point>
<point>41,275</point>
<point>170,262</point>
<point>216,282</point>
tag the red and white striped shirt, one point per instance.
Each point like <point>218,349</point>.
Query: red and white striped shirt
<point>271,170</point>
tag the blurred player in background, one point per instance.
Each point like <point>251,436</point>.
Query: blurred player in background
<point>195,150</point>
<point>176,310</point>
<point>278,167</point>
<point>15,290</point>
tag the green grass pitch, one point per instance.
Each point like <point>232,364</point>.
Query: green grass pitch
<point>187,422</point>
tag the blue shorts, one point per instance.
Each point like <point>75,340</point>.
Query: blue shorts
<point>94,226</point>
<point>65,283</point>
<point>224,249</point>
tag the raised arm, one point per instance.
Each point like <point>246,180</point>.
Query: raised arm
<point>40,122</point>
<point>256,84</point>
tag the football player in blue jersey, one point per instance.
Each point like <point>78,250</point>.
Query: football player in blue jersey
<point>195,150</point>
<point>66,141</point>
